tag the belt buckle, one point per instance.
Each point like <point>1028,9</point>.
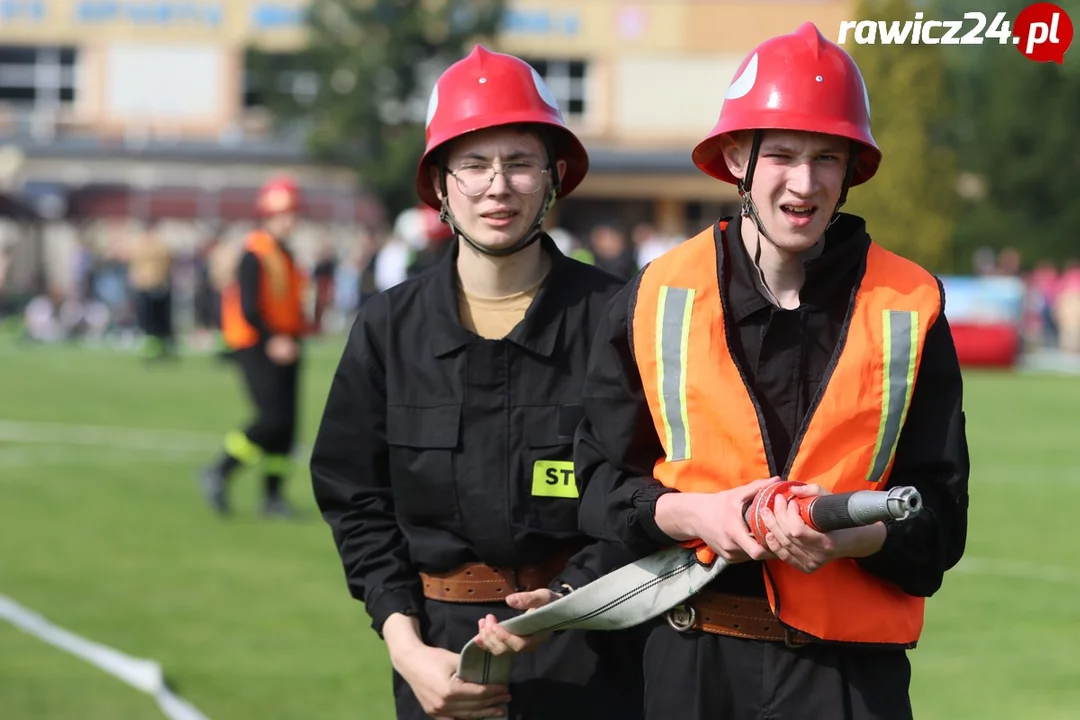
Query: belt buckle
<point>681,617</point>
<point>794,638</point>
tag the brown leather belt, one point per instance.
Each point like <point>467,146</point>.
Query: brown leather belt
<point>477,582</point>
<point>735,616</point>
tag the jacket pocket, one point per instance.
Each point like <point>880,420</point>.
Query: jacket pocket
<point>422,443</point>
<point>548,470</point>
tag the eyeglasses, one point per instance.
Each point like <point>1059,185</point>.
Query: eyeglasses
<point>474,179</point>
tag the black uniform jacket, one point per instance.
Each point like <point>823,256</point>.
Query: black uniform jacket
<point>438,447</point>
<point>784,355</point>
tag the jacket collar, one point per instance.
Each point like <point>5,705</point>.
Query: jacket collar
<point>537,333</point>
<point>842,249</point>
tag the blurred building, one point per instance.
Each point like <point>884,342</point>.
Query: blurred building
<point>140,108</point>
<point>113,110</point>
<point>119,113</point>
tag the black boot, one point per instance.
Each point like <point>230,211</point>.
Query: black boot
<point>274,505</point>
<point>215,484</point>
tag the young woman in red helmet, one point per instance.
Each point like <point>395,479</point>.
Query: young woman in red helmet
<point>443,462</point>
<point>781,344</point>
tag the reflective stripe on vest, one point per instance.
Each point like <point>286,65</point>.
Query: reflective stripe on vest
<point>900,330</point>
<point>280,296</point>
<point>672,330</point>
<point>699,401</point>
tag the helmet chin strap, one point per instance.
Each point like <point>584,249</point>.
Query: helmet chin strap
<point>749,208</point>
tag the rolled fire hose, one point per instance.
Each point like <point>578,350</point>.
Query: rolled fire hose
<point>643,590</point>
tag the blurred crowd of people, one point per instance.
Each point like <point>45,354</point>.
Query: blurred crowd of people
<point>124,290</point>
<point>1051,313</point>
<point>419,239</point>
<point>137,290</point>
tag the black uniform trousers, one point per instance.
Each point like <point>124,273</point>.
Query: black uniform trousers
<point>546,684</point>
<point>696,675</point>
<point>154,312</point>
<point>273,390</point>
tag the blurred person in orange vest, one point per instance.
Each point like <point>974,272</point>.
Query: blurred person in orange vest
<point>779,345</point>
<point>443,461</point>
<point>150,266</point>
<point>262,323</point>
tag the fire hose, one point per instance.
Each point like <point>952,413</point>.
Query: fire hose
<point>647,588</point>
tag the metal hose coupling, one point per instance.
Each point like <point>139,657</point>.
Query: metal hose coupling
<point>861,507</point>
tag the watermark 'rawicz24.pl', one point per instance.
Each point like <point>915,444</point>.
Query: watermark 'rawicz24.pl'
<point>1041,31</point>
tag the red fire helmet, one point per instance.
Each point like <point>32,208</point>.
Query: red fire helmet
<point>279,194</point>
<point>800,81</point>
<point>488,89</point>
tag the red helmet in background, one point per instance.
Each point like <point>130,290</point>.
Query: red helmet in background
<point>434,228</point>
<point>421,227</point>
<point>800,81</point>
<point>488,89</point>
<point>280,194</point>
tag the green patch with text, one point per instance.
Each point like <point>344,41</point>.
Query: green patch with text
<point>554,478</point>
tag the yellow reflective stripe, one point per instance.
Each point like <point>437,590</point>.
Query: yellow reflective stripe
<point>280,465</point>
<point>238,446</point>
<point>672,340</point>
<point>899,347</point>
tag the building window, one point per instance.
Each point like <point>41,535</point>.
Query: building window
<point>567,80</point>
<point>38,76</point>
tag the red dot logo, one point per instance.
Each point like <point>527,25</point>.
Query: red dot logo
<point>1043,32</point>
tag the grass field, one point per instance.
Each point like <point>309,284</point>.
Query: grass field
<point>103,532</point>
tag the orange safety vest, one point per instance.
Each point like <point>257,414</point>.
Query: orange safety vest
<point>281,291</point>
<point>711,429</point>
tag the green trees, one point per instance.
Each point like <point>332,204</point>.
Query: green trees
<point>911,204</point>
<point>359,88</point>
<point>1017,131</point>
<point>981,144</point>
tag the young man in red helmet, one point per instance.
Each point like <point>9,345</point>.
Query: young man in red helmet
<point>262,321</point>
<point>443,461</point>
<point>782,344</point>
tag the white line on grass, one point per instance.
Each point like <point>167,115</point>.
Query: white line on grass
<point>41,455</point>
<point>105,436</point>
<point>143,675</point>
<point>180,441</point>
